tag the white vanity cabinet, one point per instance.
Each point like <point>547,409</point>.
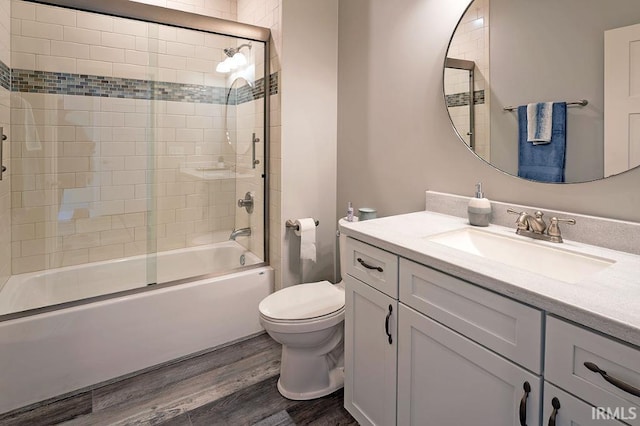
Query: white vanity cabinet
<point>476,341</point>
<point>445,378</point>
<point>371,337</point>
<point>402,367</point>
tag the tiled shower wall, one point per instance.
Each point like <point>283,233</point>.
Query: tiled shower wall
<point>267,13</point>
<point>471,42</point>
<point>5,184</point>
<point>89,185</point>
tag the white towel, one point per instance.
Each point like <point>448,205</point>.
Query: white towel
<point>539,122</point>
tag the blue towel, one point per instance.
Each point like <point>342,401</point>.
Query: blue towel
<point>543,162</point>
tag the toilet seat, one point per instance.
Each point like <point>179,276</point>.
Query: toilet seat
<point>303,303</point>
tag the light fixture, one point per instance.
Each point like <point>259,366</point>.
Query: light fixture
<point>223,67</point>
<point>234,60</point>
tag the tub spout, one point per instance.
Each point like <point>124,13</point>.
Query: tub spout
<point>242,232</point>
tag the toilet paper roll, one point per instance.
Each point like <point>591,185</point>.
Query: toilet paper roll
<point>307,233</point>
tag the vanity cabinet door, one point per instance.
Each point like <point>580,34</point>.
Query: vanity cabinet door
<point>564,409</point>
<point>445,379</point>
<point>370,354</point>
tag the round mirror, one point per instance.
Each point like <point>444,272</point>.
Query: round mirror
<point>548,90</point>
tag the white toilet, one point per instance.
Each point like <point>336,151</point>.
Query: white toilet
<point>308,320</point>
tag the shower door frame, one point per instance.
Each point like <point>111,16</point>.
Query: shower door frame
<point>469,66</point>
<point>158,15</point>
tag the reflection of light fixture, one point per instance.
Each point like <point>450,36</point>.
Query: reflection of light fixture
<point>234,59</point>
<point>223,67</point>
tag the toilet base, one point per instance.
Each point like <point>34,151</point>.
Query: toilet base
<point>336,381</point>
<point>313,371</point>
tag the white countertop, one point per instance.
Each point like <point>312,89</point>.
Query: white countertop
<point>608,301</point>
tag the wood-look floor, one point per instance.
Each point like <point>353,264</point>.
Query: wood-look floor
<point>234,385</point>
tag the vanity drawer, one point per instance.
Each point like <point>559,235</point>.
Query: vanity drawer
<point>502,325</point>
<point>569,347</point>
<point>374,266</point>
<point>572,411</point>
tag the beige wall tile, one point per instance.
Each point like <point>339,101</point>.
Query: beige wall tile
<point>93,169</point>
<point>81,35</point>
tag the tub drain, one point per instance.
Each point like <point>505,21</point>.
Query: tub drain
<point>242,260</point>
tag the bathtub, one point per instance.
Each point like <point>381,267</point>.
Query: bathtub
<point>57,351</point>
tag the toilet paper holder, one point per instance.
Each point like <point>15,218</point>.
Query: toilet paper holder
<point>292,224</point>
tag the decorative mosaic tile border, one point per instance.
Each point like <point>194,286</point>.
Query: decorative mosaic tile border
<point>31,81</point>
<point>462,99</point>
<point>5,76</point>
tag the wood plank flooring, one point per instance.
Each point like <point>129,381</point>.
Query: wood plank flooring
<point>234,385</point>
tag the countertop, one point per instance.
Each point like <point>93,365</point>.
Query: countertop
<point>608,301</point>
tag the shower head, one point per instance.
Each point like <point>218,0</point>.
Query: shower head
<point>234,59</point>
<point>230,51</point>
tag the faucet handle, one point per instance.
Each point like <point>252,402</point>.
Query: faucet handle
<point>569,221</point>
<point>522,219</point>
<point>554,229</point>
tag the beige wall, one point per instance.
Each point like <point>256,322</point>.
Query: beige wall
<point>395,122</point>
<point>309,102</point>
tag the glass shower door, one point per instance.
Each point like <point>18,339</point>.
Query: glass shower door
<point>126,167</point>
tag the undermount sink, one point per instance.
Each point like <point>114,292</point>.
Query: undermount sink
<point>552,262</point>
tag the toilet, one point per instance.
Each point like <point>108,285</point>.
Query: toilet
<point>308,320</point>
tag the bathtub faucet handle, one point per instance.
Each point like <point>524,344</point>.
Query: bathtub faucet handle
<point>247,202</point>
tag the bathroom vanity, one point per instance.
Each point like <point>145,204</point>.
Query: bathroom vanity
<point>437,334</point>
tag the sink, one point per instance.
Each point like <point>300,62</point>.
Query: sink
<point>551,262</point>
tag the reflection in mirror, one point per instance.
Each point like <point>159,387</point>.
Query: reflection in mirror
<point>239,91</point>
<point>549,51</point>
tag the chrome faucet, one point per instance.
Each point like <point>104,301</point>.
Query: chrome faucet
<point>242,232</point>
<point>534,226</point>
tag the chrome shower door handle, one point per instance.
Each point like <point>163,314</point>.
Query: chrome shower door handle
<point>254,141</point>
<point>3,138</point>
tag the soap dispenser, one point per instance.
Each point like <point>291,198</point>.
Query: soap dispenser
<point>479,209</point>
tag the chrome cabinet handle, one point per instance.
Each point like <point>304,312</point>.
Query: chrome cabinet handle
<point>615,382</point>
<point>366,265</point>
<point>523,404</point>
<point>386,324</point>
<point>555,403</point>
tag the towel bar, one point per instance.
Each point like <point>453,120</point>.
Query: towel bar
<point>292,224</point>
<point>582,102</point>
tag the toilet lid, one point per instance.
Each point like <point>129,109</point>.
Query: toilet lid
<point>303,301</point>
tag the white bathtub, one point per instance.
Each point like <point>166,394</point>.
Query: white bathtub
<point>44,288</point>
<point>52,353</point>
